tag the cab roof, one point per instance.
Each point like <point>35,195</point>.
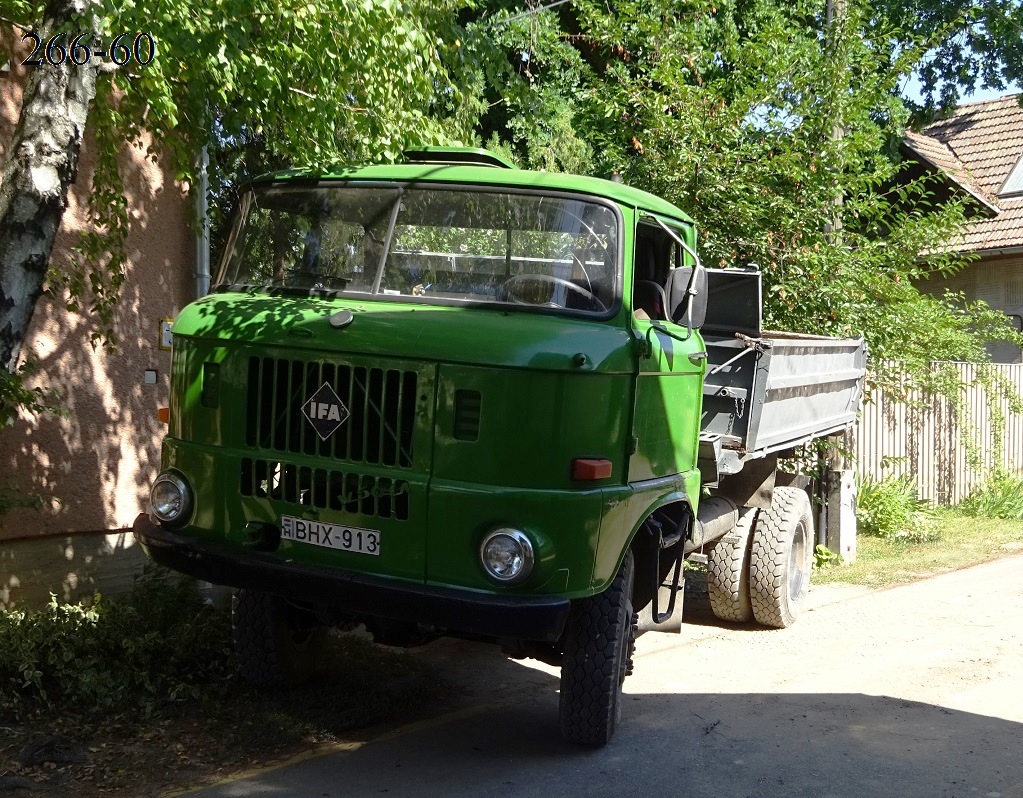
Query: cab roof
<point>478,167</point>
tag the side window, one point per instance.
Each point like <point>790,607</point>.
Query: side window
<point>654,258</point>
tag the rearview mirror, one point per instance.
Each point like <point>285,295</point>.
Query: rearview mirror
<point>687,304</point>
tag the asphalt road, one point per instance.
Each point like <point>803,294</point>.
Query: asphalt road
<point>915,691</point>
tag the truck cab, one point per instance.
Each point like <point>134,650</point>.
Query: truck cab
<point>446,397</point>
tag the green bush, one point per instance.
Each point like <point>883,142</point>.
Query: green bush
<point>823,557</point>
<point>890,509</point>
<point>1000,497</point>
<point>161,642</point>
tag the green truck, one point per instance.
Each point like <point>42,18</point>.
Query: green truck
<point>454,397</point>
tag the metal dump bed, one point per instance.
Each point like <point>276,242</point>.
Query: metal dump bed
<point>766,391</point>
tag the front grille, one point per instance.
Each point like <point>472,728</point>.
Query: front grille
<point>325,489</point>
<point>382,404</point>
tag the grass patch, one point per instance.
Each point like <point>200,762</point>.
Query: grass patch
<point>958,541</point>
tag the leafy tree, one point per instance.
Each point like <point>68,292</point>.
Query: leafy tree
<point>957,45</point>
<point>313,82</point>
<point>775,124</point>
<point>778,131</point>
<point>532,80</point>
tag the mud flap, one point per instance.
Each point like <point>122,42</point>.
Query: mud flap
<point>673,623</point>
<point>664,568</point>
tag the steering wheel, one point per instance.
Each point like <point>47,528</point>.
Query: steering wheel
<point>316,281</point>
<point>549,278</point>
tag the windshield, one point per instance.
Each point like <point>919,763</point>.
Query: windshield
<point>432,246</point>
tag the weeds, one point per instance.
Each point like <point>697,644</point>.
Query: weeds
<point>1000,497</point>
<point>890,509</point>
<point>823,557</point>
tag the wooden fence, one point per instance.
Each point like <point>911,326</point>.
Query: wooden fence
<point>920,435</point>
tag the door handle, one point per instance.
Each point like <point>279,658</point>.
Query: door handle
<point>696,357</point>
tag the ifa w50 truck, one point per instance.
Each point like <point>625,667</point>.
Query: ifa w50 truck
<point>453,397</point>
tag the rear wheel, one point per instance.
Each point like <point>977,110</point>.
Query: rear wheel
<point>781,558</point>
<point>599,641</point>
<point>275,643</point>
<point>728,571</point>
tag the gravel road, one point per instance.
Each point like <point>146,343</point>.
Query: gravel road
<point>911,692</point>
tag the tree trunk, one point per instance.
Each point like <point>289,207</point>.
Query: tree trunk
<point>834,31</point>
<point>40,165</point>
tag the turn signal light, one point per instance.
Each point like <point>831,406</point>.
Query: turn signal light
<point>588,468</point>
<point>163,413</point>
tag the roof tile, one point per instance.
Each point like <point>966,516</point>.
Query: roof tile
<point>977,147</point>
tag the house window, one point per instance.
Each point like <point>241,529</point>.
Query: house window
<point>1014,293</point>
<point>1013,186</point>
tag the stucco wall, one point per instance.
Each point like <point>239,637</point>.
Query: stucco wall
<point>93,467</point>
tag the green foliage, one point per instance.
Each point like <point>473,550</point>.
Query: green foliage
<point>779,133</point>
<point>16,397</point>
<point>757,123</point>
<point>1001,496</point>
<point>15,394</point>
<point>957,45</point>
<point>533,82</point>
<point>11,499</point>
<point>776,129</point>
<point>311,83</point>
<point>159,643</point>
<point>823,557</point>
<point>890,509</point>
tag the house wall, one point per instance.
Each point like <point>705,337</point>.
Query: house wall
<point>998,280</point>
<point>93,466</point>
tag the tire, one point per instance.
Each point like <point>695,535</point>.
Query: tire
<point>599,644</point>
<point>728,571</point>
<point>273,648</point>
<point>781,558</point>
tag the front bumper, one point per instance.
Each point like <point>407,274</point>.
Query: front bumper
<point>540,618</point>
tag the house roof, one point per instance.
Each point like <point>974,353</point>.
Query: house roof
<point>977,148</point>
<point>941,156</point>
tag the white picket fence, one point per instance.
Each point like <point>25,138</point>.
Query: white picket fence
<point>919,436</point>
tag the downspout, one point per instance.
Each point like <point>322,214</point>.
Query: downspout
<point>202,233</point>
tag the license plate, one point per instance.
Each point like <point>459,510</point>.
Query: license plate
<point>331,536</point>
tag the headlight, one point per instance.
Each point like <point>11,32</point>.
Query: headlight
<point>507,555</point>
<point>170,498</point>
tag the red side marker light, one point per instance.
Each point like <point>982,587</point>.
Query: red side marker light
<point>588,468</point>
<point>163,414</point>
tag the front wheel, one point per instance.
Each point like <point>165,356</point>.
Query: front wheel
<point>600,639</point>
<point>275,643</point>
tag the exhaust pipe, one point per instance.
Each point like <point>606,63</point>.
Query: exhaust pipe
<point>716,518</point>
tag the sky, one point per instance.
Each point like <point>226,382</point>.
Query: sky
<point>912,91</point>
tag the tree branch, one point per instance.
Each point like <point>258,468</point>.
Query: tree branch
<point>15,24</point>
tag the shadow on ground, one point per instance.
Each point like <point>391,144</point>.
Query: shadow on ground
<point>505,742</point>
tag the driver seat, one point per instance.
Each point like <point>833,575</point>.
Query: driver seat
<point>649,297</point>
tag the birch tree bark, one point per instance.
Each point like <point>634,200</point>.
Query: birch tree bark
<point>38,169</point>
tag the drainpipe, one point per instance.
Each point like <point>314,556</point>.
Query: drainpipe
<point>202,234</point>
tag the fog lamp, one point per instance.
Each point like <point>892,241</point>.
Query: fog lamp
<point>170,498</point>
<point>507,555</point>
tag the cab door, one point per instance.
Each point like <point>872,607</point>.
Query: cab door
<point>671,362</point>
